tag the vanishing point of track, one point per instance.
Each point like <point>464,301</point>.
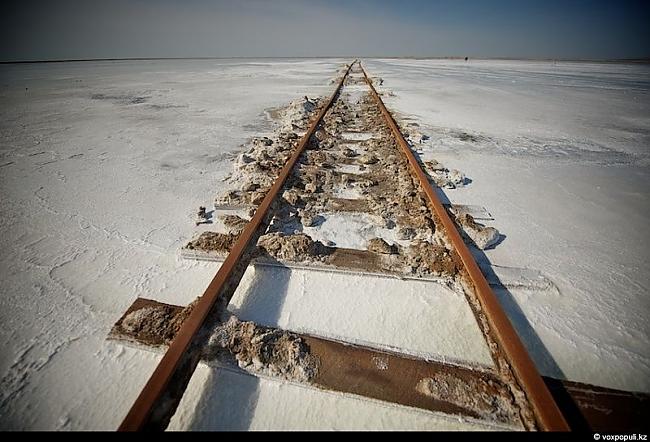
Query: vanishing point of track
<point>159,398</point>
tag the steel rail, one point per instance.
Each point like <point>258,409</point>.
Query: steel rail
<point>548,415</point>
<point>160,396</point>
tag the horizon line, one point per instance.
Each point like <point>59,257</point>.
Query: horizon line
<point>412,57</point>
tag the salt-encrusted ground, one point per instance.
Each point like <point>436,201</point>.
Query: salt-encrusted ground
<point>102,166</point>
<point>559,154</point>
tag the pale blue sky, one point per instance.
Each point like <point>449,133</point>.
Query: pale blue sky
<point>65,29</point>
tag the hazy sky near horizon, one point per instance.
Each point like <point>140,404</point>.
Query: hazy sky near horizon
<point>74,29</point>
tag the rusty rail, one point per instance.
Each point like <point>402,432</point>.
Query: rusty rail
<point>159,398</point>
<point>546,411</point>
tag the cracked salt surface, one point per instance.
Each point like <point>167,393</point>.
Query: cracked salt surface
<point>82,236</point>
<point>349,168</point>
<point>356,136</point>
<point>350,193</point>
<point>352,230</point>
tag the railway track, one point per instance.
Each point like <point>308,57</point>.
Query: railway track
<point>336,152</point>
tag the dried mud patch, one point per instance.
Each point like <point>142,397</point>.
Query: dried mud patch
<point>154,324</point>
<point>295,248</point>
<point>213,242</point>
<point>481,396</point>
<point>427,258</point>
<point>482,236</point>
<point>378,245</point>
<point>234,223</point>
<point>262,350</point>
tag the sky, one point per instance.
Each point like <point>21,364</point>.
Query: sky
<point>569,29</point>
